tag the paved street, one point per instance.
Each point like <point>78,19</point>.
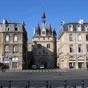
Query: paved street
<point>55,78</point>
<point>44,74</point>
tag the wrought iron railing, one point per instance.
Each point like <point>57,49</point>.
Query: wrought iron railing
<point>44,83</point>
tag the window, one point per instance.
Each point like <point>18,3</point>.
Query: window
<point>7,38</point>
<point>70,37</point>
<point>43,38</point>
<point>16,28</point>
<point>39,46</point>
<point>43,32</point>
<point>87,37</point>
<point>7,29</point>
<point>79,48</point>
<point>87,47</point>
<point>6,48</point>
<point>79,27</point>
<point>14,65</point>
<point>86,28</point>
<point>15,48</point>
<point>70,28</point>
<point>79,37</point>
<point>71,48</point>
<point>48,45</point>
<point>15,38</point>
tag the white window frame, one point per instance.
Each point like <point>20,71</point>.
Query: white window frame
<point>6,48</point>
<point>70,27</point>
<point>15,38</point>
<point>79,27</point>
<point>15,48</point>
<point>7,38</point>
<point>79,37</point>
<point>70,37</point>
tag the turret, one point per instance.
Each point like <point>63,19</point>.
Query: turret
<point>37,30</point>
<point>43,31</point>
<point>49,30</point>
<point>54,32</point>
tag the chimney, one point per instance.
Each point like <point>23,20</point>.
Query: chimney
<point>4,21</point>
<point>81,21</point>
<point>62,22</point>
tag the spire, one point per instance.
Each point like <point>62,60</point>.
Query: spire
<point>43,19</point>
<point>43,15</point>
<point>54,32</point>
<point>49,27</point>
<point>23,23</point>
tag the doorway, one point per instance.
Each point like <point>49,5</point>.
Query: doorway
<point>14,65</point>
<point>80,64</point>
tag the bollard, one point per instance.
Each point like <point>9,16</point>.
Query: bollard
<point>1,86</point>
<point>9,84</point>
<point>46,84</point>
<point>28,86</point>
<point>65,84</point>
<point>82,83</point>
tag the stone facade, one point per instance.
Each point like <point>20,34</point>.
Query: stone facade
<point>72,46</point>
<point>13,45</point>
<point>44,45</point>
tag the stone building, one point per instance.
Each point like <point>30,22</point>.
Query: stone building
<point>72,45</point>
<point>13,45</point>
<point>44,45</point>
<point>29,53</point>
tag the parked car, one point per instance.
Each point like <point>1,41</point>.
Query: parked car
<point>34,67</point>
<point>41,66</point>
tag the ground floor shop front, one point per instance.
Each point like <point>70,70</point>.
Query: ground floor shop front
<point>72,62</point>
<point>14,63</point>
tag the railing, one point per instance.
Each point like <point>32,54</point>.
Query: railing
<point>44,84</point>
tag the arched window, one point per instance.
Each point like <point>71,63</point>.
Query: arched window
<point>71,49</point>
<point>79,37</point>
<point>78,27</point>
<point>70,37</point>
<point>15,38</point>
<point>70,27</point>
<point>7,38</point>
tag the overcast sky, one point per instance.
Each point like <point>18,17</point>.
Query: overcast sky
<point>31,10</point>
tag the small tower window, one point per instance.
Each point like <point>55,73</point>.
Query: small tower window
<point>43,32</point>
<point>48,45</point>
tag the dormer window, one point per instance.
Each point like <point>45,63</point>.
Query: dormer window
<point>86,28</point>
<point>16,28</point>
<point>70,27</point>
<point>78,27</point>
